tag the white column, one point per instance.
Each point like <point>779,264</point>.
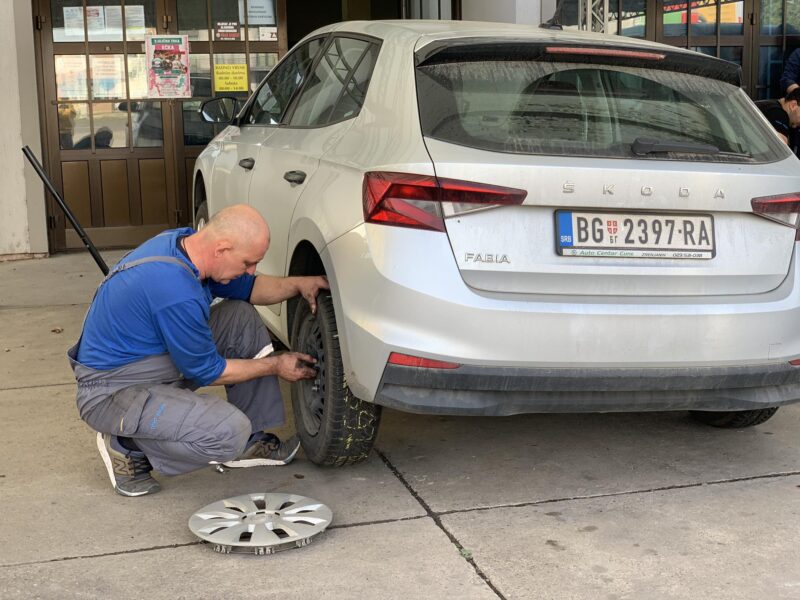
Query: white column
<point>527,12</point>
<point>23,230</point>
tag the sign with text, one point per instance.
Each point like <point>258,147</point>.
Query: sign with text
<point>167,66</point>
<point>230,78</point>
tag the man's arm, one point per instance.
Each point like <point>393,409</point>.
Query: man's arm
<point>791,73</point>
<point>272,290</point>
<point>288,366</point>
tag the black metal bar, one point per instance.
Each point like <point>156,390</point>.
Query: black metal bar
<point>52,189</point>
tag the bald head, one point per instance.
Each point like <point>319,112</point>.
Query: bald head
<point>239,223</point>
<point>234,241</point>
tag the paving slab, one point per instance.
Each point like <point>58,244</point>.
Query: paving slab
<point>377,561</point>
<point>727,541</point>
<point>60,502</point>
<point>34,343</point>
<point>69,278</point>
<point>456,463</point>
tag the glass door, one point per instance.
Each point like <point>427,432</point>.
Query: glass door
<point>233,45</point>
<point>777,36</point>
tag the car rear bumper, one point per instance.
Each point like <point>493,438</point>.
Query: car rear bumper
<point>400,291</point>
<point>492,391</point>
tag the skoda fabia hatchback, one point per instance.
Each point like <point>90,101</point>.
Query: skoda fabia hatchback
<point>516,220</point>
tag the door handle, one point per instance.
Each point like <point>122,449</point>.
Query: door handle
<point>247,163</point>
<point>294,176</point>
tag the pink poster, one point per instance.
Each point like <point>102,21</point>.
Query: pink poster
<point>168,66</point>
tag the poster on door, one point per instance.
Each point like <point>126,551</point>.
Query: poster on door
<point>167,66</point>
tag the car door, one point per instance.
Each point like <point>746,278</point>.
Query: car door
<point>237,159</point>
<point>324,109</point>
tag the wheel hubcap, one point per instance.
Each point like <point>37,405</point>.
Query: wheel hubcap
<point>312,391</point>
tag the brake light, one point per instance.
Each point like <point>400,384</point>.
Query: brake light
<point>406,360</point>
<point>407,200</point>
<point>783,209</point>
<point>795,362</point>
<point>606,52</point>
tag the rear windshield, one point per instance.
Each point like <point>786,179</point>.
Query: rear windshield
<point>577,109</point>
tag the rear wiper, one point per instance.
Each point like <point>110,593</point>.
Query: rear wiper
<point>644,145</point>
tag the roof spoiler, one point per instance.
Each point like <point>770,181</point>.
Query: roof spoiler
<point>552,50</point>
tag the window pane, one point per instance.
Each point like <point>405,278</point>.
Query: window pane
<point>225,20</point>
<point>201,75</point>
<point>148,129</point>
<point>67,17</point>
<point>324,88</point>
<point>633,17</point>
<point>104,20</point>
<point>110,127</point>
<point>674,18</point>
<point>275,95</point>
<point>707,50</point>
<point>731,18</point>
<point>731,54</point>
<point>704,19</point>
<point>140,19</point>
<point>71,77</point>
<point>108,76</point>
<point>230,75</point>
<point>351,101</point>
<point>772,17</point>
<point>261,18</point>
<point>73,124</point>
<point>572,109</point>
<point>792,17</point>
<point>193,19</point>
<point>260,65</point>
<point>137,75</point>
<point>770,67</point>
<point>196,132</point>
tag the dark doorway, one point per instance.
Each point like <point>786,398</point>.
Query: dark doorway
<point>304,17</point>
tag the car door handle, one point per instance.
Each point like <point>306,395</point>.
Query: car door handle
<point>294,176</point>
<point>247,163</point>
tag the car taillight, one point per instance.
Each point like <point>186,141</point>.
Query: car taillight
<point>783,208</point>
<point>407,200</point>
<point>406,360</point>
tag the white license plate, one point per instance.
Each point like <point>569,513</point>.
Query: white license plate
<point>634,235</point>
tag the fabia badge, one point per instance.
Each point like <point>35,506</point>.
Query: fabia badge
<point>472,257</point>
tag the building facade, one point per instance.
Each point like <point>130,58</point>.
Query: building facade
<point>74,77</point>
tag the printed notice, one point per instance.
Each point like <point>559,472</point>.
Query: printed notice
<point>167,66</point>
<point>73,22</point>
<point>230,78</point>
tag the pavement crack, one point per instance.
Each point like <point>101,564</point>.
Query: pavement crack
<point>679,486</point>
<point>43,385</point>
<point>103,555</point>
<point>436,517</point>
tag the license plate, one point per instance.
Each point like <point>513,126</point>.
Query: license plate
<point>634,235</point>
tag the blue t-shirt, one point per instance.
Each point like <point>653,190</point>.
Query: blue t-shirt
<point>157,308</point>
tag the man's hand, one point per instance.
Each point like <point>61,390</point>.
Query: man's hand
<point>309,287</point>
<point>293,366</point>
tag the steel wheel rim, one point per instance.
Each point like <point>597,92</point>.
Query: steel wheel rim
<point>260,523</point>
<point>312,391</point>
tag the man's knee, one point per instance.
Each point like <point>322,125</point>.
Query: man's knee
<point>229,438</point>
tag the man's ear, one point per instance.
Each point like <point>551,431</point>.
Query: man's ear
<point>221,246</point>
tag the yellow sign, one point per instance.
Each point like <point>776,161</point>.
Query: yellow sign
<point>230,78</point>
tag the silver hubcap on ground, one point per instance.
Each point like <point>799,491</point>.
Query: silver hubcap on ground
<point>260,523</point>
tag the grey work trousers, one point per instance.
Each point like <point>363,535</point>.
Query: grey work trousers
<point>178,429</point>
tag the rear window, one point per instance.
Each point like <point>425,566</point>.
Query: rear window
<point>575,109</point>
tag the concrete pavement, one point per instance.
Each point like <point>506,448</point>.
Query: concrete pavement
<point>537,506</point>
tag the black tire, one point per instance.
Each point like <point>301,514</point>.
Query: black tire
<point>201,216</point>
<point>335,427</point>
<point>734,419</point>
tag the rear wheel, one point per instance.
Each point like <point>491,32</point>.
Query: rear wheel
<point>734,419</point>
<point>335,427</point>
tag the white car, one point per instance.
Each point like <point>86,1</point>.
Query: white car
<point>516,220</point>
